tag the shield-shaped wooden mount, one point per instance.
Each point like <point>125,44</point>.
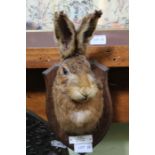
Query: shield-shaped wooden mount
<point>103,125</point>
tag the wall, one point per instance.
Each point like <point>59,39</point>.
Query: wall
<point>115,142</point>
<point>40,13</point>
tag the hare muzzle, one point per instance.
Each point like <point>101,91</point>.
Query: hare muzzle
<point>86,90</point>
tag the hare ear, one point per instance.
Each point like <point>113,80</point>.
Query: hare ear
<point>65,34</point>
<point>87,28</point>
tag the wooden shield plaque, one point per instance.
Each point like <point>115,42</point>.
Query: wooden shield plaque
<point>101,72</point>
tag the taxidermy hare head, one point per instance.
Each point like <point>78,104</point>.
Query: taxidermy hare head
<point>77,96</point>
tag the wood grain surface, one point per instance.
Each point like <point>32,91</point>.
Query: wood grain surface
<point>111,56</point>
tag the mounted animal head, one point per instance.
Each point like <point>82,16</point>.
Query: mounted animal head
<point>74,75</point>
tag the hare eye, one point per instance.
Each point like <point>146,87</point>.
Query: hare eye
<point>65,71</point>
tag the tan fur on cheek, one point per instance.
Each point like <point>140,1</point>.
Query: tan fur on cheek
<point>92,91</point>
<point>91,78</point>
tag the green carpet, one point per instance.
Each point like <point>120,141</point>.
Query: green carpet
<point>116,142</point>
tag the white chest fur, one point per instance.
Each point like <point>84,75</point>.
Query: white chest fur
<point>80,117</point>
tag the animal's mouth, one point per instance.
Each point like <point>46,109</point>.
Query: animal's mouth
<point>82,98</point>
<point>85,97</point>
<point>82,94</point>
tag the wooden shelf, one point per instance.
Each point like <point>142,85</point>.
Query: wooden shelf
<point>111,56</point>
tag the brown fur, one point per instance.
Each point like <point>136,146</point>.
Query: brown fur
<point>69,41</point>
<point>86,29</point>
<point>77,96</point>
<point>65,34</point>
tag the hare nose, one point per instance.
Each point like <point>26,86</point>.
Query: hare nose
<point>85,95</point>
